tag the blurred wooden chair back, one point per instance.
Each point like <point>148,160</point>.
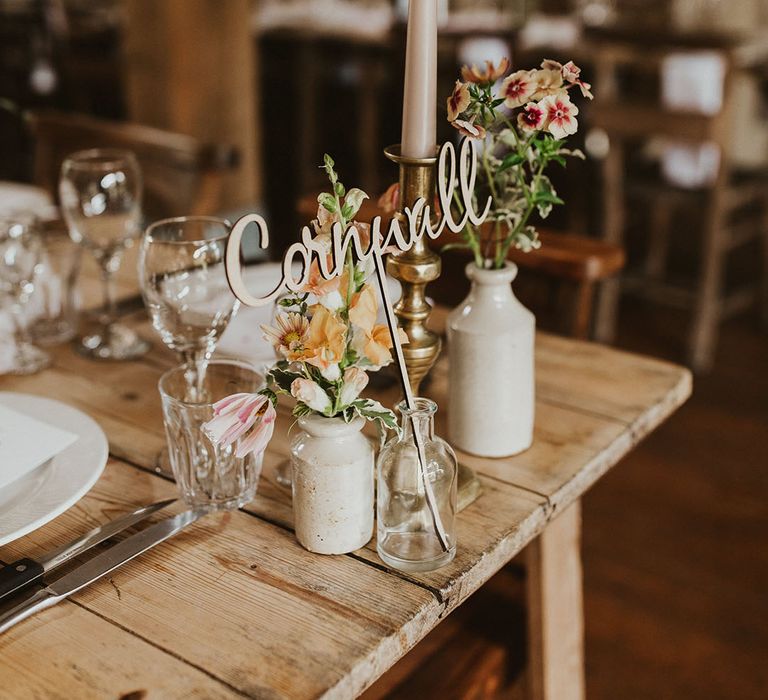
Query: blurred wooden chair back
<point>571,267</point>
<point>628,121</point>
<point>182,176</point>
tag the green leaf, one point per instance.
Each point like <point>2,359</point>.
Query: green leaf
<point>271,395</point>
<point>282,378</point>
<point>339,189</point>
<point>547,197</point>
<point>497,102</point>
<point>455,246</point>
<point>327,201</point>
<point>373,410</point>
<point>301,409</point>
<point>510,160</point>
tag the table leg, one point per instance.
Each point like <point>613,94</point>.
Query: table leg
<point>555,610</point>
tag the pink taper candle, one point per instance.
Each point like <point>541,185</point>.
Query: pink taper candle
<point>420,94</point>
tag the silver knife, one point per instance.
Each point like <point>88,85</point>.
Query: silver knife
<point>100,565</point>
<point>21,574</point>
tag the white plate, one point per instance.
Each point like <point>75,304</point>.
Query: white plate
<point>52,488</point>
<point>17,196</point>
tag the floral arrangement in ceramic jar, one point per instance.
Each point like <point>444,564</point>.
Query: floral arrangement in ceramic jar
<point>523,123</point>
<point>328,339</point>
<point>520,124</point>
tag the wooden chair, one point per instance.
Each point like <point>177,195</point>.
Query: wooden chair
<point>181,175</point>
<point>575,264</point>
<point>627,124</point>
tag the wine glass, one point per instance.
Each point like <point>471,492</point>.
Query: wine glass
<point>185,288</point>
<point>20,253</point>
<point>100,192</point>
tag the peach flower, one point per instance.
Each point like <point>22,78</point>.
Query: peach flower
<point>326,342</point>
<point>355,380</point>
<point>490,74</point>
<point>311,394</point>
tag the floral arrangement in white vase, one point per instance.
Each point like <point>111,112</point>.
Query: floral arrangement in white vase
<point>520,124</point>
<point>328,339</point>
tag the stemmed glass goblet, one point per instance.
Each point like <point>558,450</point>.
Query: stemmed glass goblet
<point>185,288</point>
<point>100,192</point>
<point>20,252</point>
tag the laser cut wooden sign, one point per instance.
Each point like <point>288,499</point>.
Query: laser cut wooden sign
<point>419,224</point>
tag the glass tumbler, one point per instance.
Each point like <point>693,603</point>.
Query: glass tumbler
<point>416,499</point>
<point>54,302</point>
<point>208,475</point>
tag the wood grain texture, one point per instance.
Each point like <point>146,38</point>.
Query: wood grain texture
<point>555,635</point>
<point>237,600</point>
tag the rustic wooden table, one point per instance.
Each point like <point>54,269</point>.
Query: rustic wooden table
<point>234,607</point>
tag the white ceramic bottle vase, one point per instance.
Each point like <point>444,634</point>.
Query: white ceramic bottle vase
<point>491,384</point>
<point>332,485</point>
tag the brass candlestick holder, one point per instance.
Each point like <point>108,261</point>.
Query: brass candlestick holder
<point>415,269</point>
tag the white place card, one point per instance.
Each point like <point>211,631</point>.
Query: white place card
<point>26,443</point>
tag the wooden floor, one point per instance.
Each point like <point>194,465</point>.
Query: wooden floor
<point>676,537</point>
<point>675,550</point>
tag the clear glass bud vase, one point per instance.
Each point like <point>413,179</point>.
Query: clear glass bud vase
<point>416,501</point>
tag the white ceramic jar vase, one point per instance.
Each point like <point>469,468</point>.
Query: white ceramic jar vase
<point>491,387</point>
<point>332,485</point>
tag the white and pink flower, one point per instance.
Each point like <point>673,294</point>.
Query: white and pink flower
<point>571,74</point>
<point>458,100</point>
<point>248,419</point>
<point>517,88</point>
<point>532,117</point>
<point>289,335</point>
<point>560,114</point>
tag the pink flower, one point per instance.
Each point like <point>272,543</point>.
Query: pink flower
<point>571,72</point>
<point>468,128</point>
<point>560,114</point>
<point>517,88</point>
<point>531,118</point>
<point>311,394</point>
<point>247,416</point>
<point>355,380</point>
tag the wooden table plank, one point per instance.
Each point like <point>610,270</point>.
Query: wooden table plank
<point>237,600</point>
<point>240,599</point>
<point>69,652</point>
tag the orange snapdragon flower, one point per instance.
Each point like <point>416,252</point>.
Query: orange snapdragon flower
<point>326,340</point>
<point>371,341</point>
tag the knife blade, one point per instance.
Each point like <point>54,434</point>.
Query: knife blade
<point>99,566</point>
<point>25,572</point>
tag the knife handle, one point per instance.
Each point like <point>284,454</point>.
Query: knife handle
<point>19,575</point>
<point>44,598</point>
